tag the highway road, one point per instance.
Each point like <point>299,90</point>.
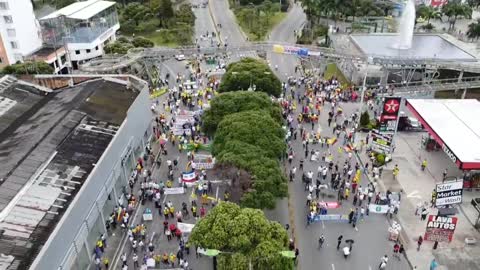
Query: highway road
<point>230,32</point>
<point>205,32</point>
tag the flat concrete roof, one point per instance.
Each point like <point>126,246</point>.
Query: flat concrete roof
<point>454,124</point>
<point>423,47</point>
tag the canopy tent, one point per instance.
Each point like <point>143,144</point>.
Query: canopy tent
<point>455,126</point>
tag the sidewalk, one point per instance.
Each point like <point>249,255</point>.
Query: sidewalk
<point>416,187</point>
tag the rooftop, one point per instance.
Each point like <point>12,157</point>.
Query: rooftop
<point>49,143</point>
<point>423,47</point>
<point>81,10</point>
<point>455,123</point>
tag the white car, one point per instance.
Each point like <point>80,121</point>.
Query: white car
<point>180,57</point>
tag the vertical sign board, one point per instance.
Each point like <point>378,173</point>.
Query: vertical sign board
<point>440,229</point>
<point>389,116</point>
<point>449,193</point>
<point>381,143</point>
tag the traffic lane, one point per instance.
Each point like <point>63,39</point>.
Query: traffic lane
<point>370,244</point>
<point>204,26</point>
<point>283,32</point>
<point>285,62</point>
<point>229,30</point>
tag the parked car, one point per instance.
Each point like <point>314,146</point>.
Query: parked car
<point>408,123</point>
<point>180,57</point>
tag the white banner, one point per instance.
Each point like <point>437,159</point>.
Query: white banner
<point>185,227</point>
<point>175,190</point>
<point>377,208</point>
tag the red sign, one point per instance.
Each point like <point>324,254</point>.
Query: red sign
<point>391,106</point>
<point>440,229</point>
<point>438,3</point>
<point>329,205</point>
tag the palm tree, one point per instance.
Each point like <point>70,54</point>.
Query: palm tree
<point>429,12</point>
<point>454,10</point>
<point>474,30</point>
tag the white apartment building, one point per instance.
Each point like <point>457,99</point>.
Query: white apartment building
<point>83,28</point>
<point>20,32</point>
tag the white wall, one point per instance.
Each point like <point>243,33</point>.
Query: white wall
<point>82,47</point>
<point>27,28</point>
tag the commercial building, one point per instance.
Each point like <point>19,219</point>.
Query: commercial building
<point>83,28</point>
<point>20,33</point>
<point>67,148</point>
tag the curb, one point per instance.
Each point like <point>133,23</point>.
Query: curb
<point>219,36</point>
<point>402,236</point>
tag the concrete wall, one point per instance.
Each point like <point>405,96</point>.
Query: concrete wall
<point>72,229</point>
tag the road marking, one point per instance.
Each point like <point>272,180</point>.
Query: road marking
<point>333,266</point>
<point>369,267</point>
<point>165,199</point>
<point>414,195</point>
<point>323,225</point>
<point>216,193</point>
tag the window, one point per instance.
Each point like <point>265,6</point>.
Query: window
<point>96,48</point>
<point>3,6</point>
<point>8,19</point>
<point>14,44</point>
<point>77,52</point>
<point>88,50</point>
<point>1,60</point>
<point>11,32</point>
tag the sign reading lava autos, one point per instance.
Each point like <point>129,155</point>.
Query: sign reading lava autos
<point>388,119</point>
<point>449,193</point>
<point>440,229</point>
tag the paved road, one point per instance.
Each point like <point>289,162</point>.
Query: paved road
<point>230,32</point>
<point>204,25</point>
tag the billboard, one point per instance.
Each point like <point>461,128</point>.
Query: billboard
<point>440,229</point>
<point>381,143</point>
<point>449,193</point>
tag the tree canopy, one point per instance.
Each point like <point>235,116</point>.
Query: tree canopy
<point>253,141</point>
<point>122,45</point>
<point>29,67</point>
<point>254,128</point>
<point>233,102</point>
<point>243,235</point>
<point>250,72</point>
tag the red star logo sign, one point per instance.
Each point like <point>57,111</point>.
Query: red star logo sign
<point>391,106</point>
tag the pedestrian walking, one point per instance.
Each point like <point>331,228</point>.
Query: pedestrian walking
<point>419,242</point>
<point>339,241</point>
<point>396,249</point>
<point>433,264</point>
<point>383,262</point>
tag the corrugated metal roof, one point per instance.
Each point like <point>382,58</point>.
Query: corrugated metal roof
<point>81,10</point>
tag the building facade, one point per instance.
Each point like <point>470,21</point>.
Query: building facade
<point>20,33</point>
<point>70,244</point>
<point>83,28</point>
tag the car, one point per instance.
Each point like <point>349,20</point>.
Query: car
<point>180,57</point>
<point>408,123</point>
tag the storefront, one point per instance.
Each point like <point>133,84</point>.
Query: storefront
<point>454,128</point>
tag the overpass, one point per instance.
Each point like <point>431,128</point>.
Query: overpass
<point>423,88</point>
<point>109,63</point>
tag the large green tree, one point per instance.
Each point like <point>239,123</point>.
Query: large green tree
<point>164,12</point>
<point>253,141</point>
<point>428,13</point>
<point>245,237</point>
<point>136,12</point>
<point>254,128</point>
<point>473,31</point>
<point>453,10</point>
<point>248,73</point>
<point>233,102</point>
